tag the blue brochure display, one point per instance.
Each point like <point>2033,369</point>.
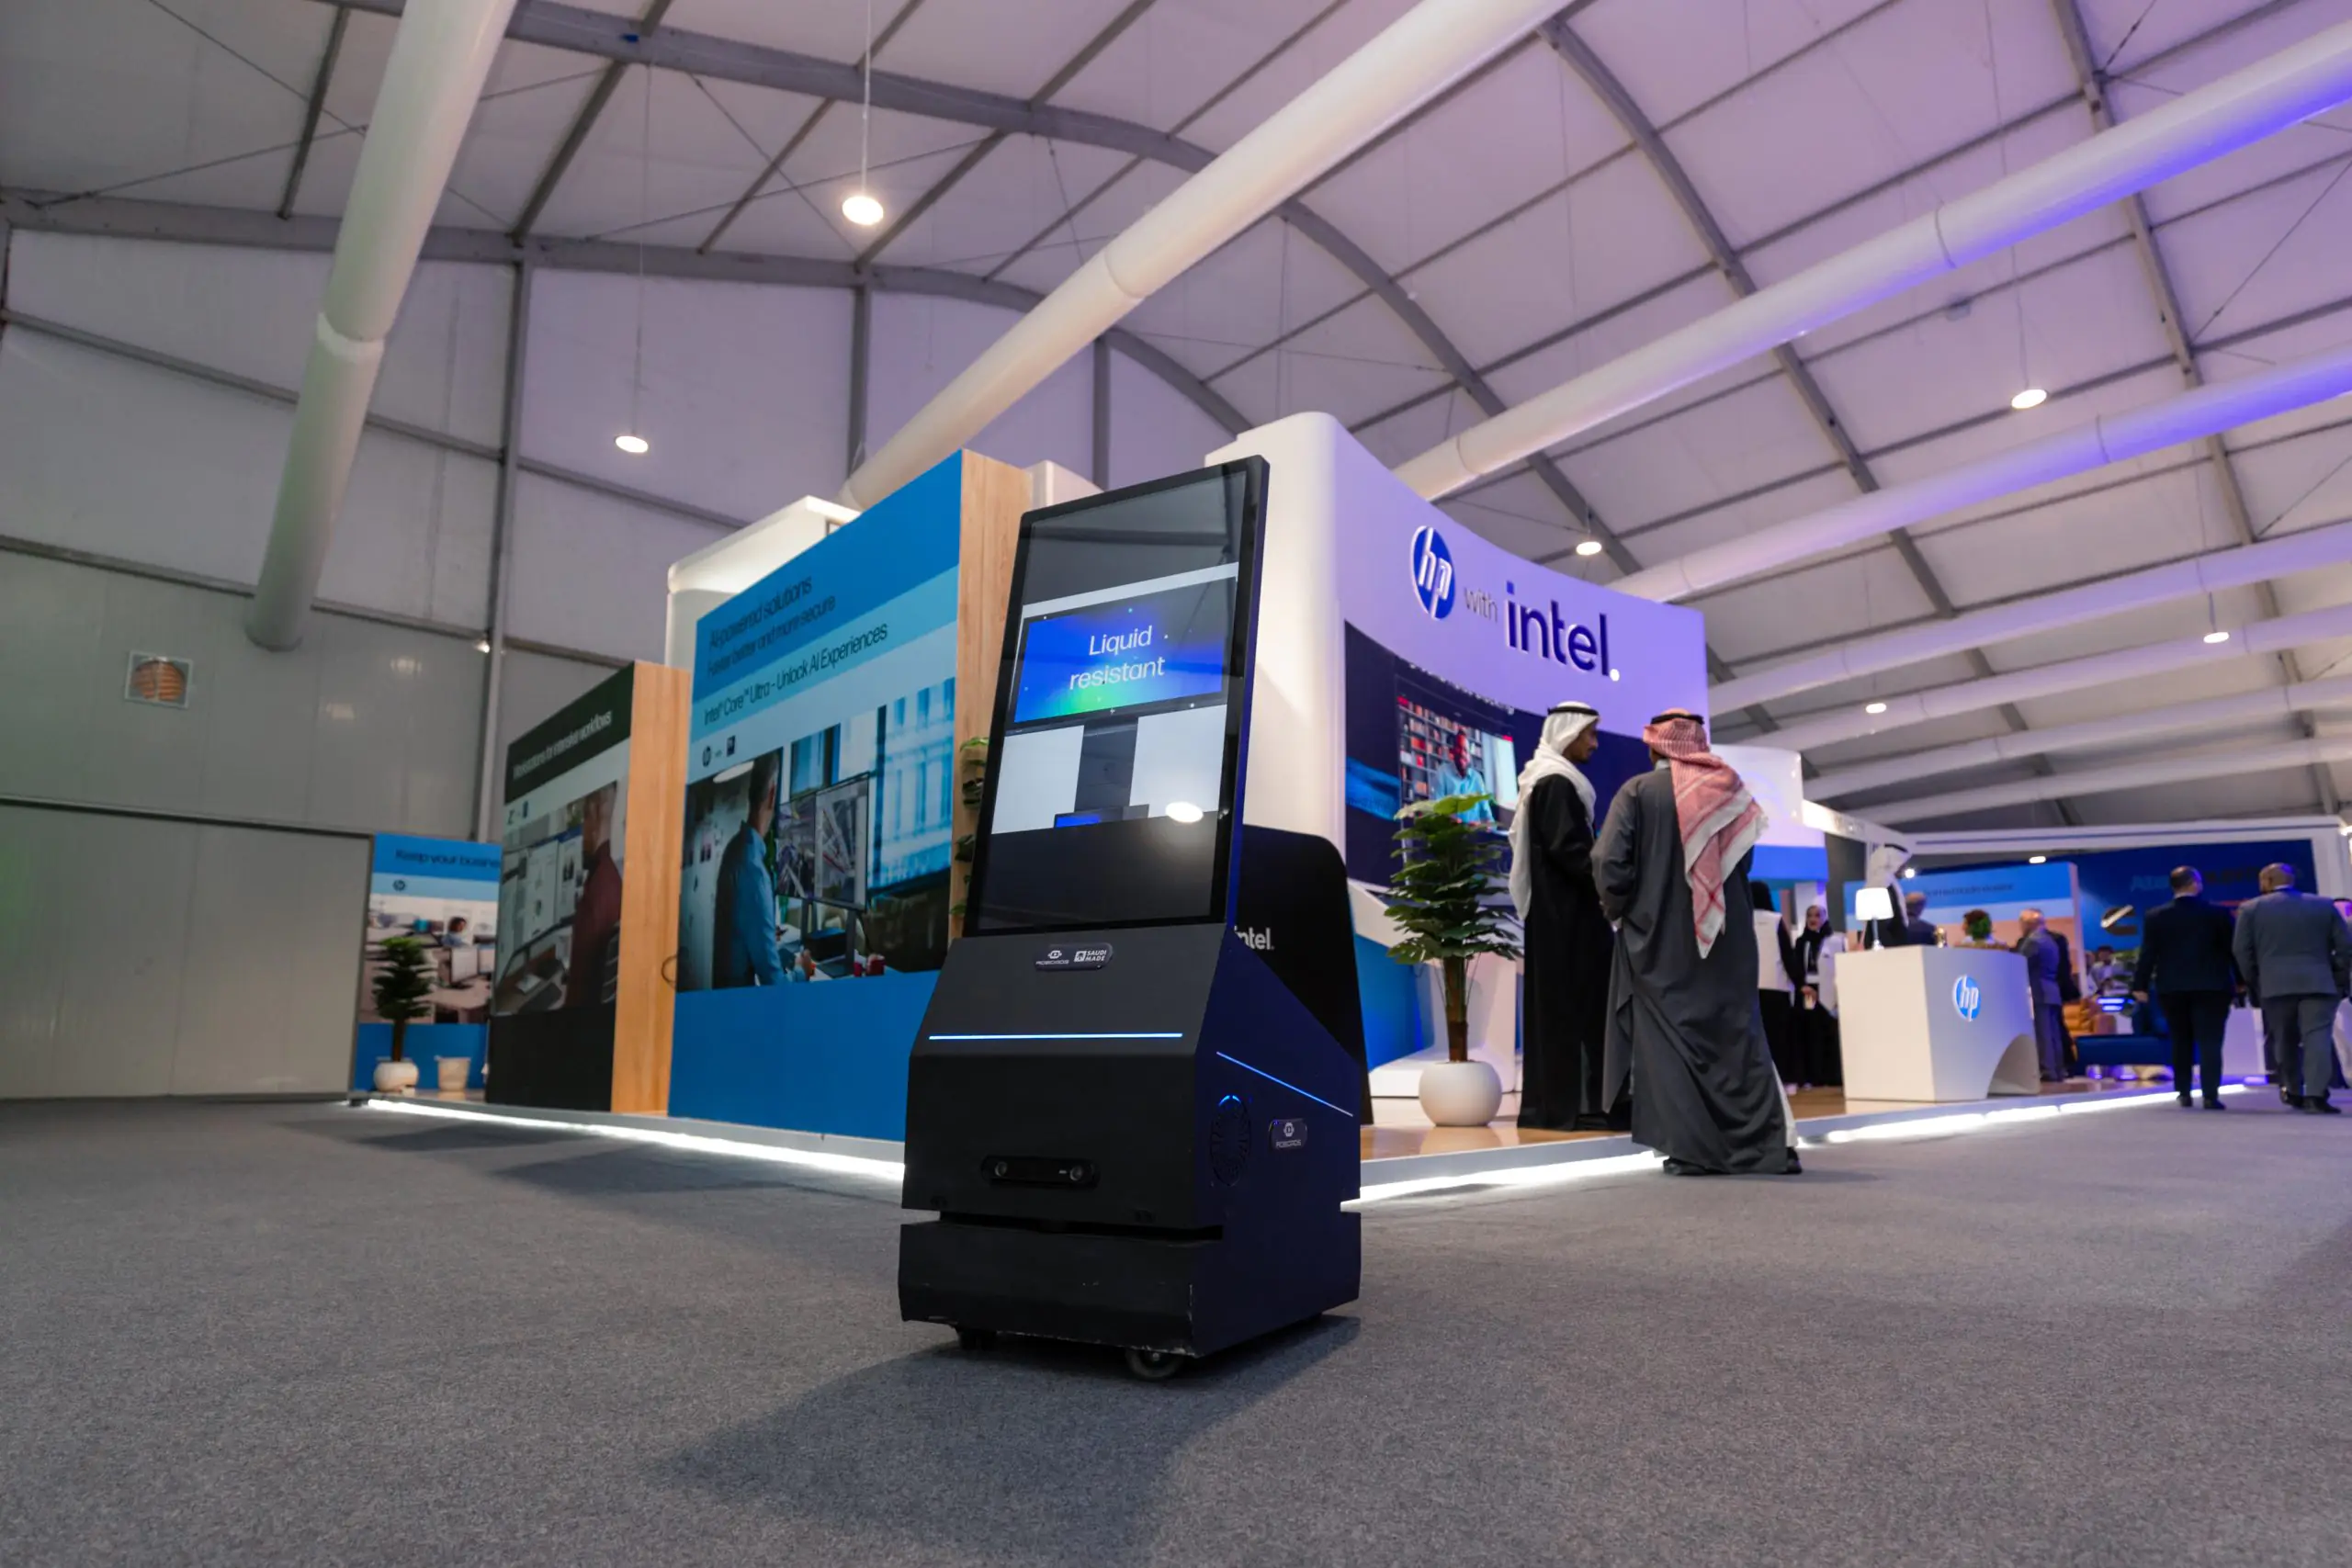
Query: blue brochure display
<point>1131,1130</point>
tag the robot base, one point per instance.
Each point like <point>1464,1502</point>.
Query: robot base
<point>1165,1295</point>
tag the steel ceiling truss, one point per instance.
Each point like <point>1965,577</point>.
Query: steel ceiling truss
<point>188,224</point>
<point>558,26</point>
<point>2093,80</point>
<point>312,109</point>
<point>1595,75</point>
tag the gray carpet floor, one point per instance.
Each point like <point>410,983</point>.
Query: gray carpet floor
<point>262,1334</point>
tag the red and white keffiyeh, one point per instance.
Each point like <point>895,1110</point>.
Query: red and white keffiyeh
<point>1718,817</point>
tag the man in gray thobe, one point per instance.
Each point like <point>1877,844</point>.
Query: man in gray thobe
<point>2295,956</point>
<point>1685,1036</point>
<point>2043,958</point>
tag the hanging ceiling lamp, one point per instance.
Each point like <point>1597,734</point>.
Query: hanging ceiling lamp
<point>861,206</point>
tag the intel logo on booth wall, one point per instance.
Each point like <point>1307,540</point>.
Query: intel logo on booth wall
<point>1433,573</point>
<point>1544,630</point>
<point>1967,997</point>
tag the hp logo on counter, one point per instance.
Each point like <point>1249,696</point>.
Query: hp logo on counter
<point>1967,997</point>
<point>1433,573</point>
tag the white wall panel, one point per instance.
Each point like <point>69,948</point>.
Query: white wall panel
<point>165,957</point>
<point>364,725</point>
<point>252,313</point>
<point>744,395</point>
<point>272,985</point>
<point>592,572</point>
<point>115,458</point>
<point>920,344</point>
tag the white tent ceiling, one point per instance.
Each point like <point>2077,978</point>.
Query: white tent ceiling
<point>1633,168</point>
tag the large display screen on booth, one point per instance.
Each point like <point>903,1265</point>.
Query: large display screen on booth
<point>1112,789</point>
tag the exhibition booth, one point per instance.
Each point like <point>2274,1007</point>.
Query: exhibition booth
<point>726,891</point>
<point>841,702</point>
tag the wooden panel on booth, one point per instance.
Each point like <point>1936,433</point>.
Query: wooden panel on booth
<point>995,495</point>
<point>645,995</point>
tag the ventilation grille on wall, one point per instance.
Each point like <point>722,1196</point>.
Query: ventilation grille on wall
<point>157,678</point>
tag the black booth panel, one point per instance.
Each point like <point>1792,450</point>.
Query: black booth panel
<point>560,1059</point>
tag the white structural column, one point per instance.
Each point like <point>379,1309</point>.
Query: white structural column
<point>2197,128</point>
<point>2067,675</point>
<point>441,56</point>
<point>2232,763</point>
<point>2110,438</point>
<point>1415,57</point>
<point>2149,724</point>
<point>2280,556</point>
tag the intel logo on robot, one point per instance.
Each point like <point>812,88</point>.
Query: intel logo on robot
<point>1967,997</point>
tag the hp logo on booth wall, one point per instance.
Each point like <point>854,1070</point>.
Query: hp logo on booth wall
<point>1433,573</point>
<point>1967,997</point>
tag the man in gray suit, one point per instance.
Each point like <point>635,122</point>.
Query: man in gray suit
<point>2043,958</point>
<point>2296,956</point>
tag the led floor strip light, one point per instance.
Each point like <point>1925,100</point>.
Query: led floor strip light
<point>1466,1181</point>
<point>696,1143</point>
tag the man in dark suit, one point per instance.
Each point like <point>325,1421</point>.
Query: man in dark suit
<point>1917,929</point>
<point>2296,956</point>
<point>2044,959</point>
<point>2185,963</point>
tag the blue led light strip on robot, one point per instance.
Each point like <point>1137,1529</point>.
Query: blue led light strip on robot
<point>1271,1078</point>
<point>1172,1035</point>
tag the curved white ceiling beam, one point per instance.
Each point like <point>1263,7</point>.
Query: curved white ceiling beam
<point>2144,775</point>
<point>1410,60</point>
<point>2196,128</point>
<point>2280,556</point>
<point>2244,707</point>
<point>2255,637</point>
<point>2110,438</point>
<point>441,56</point>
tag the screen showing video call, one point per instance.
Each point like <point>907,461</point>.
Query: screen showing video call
<point>1111,786</point>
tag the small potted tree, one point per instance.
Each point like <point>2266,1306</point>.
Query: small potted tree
<point>1445,898</point>
<point>399,991</point>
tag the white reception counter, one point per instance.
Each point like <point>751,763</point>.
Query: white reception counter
<point>1936,1023</point>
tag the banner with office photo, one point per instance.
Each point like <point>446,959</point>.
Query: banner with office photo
<point>814,903</point>
<point>444,892</point>
<point>560,879</point>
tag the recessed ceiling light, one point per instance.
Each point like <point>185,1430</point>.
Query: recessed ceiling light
<point>2031,398</point>
<point>635,446</point>
<point>1183,811</point>
<point>862,210</point>
<point>1588,547</point>
<point>483,646</point>
<point>1874,707</point>
<point>2037,860</point>
<point>2217,637</point>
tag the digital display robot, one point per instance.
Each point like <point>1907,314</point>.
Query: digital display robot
<point>1132,1132</point>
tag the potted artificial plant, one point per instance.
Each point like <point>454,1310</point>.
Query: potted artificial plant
<point>1444,898</point>
<point>399,991</point>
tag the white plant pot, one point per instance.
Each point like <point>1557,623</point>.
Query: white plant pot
<point>395,1077</point>
<point>453,1071</point>
<point>1460,1094</point>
